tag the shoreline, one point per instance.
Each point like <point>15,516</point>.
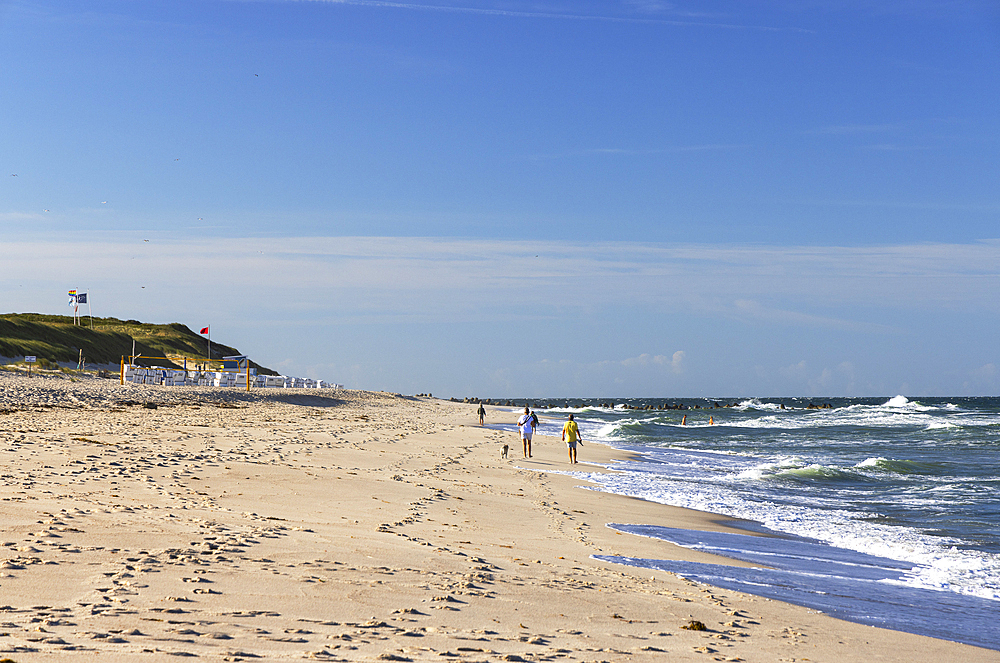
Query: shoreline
<point>349,526</point>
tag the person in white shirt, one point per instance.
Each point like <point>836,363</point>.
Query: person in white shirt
<point>527,426</point>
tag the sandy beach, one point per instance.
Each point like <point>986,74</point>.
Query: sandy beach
<point>148,523</point>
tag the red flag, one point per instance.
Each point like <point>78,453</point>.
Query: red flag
<point>204,331</point>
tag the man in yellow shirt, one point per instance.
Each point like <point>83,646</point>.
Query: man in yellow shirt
<point>571,434</point>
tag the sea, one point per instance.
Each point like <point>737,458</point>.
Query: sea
<point>881,511</point>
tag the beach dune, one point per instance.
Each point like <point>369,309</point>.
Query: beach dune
<point>150,523</point>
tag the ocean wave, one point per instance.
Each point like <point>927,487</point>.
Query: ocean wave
<point>898,466</point>
<point>646,426</point>
<point>796,469</point>
<point>611,431</point>
<point>868,470</point>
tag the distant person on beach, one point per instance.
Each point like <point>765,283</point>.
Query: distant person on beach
<point>482,414</point>
<point>526,423</point>
<point>571,434</point>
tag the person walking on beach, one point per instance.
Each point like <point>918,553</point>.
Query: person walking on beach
<point>526,423</point>
<point>482,414</point>
<point>571,435</point>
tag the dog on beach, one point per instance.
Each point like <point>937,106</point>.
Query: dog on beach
<point>503,452</point>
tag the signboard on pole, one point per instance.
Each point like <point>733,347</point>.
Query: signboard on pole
<point>29,360</point>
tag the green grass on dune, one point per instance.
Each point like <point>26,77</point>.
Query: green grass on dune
<point>56,338</point>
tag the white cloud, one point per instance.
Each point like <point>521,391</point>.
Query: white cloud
<point>838,380</point>
<point>984,379</point>
<point>644,373</point>
<point>986,371</point>
<point>676,362</point>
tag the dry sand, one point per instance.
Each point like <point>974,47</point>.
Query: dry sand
<point>346,526</point>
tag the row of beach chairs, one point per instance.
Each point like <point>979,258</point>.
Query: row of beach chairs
<point>172,377</point>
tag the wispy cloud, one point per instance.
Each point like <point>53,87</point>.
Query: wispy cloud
<point>385,279</point>
<point>289,294</point>
<point>20,217</point>
<point>853,129</point>
<point>667,150</point>
<point>589,377</point>
<point>893,147</point>
<point>620,151</point>
<point>755,310</point>
<point>513,13</point>
<point>903,204</point>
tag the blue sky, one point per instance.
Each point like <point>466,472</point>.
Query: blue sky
<point>618,198</point>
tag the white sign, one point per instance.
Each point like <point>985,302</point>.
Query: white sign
<point>30,359</point>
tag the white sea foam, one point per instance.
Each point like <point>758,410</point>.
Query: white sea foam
<point>940,563</point>
<point>574,410</point>
<point>755,404</point>
<point>951,568</point>
<point>846,584</point>
<point>940,425</point>
<point>876,416</point>
<point>903,403</point>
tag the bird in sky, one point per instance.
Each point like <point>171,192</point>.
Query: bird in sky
<point>45,210</point>
<point>145,240</point>
<point>104,202</point>
<point>13,174</point>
